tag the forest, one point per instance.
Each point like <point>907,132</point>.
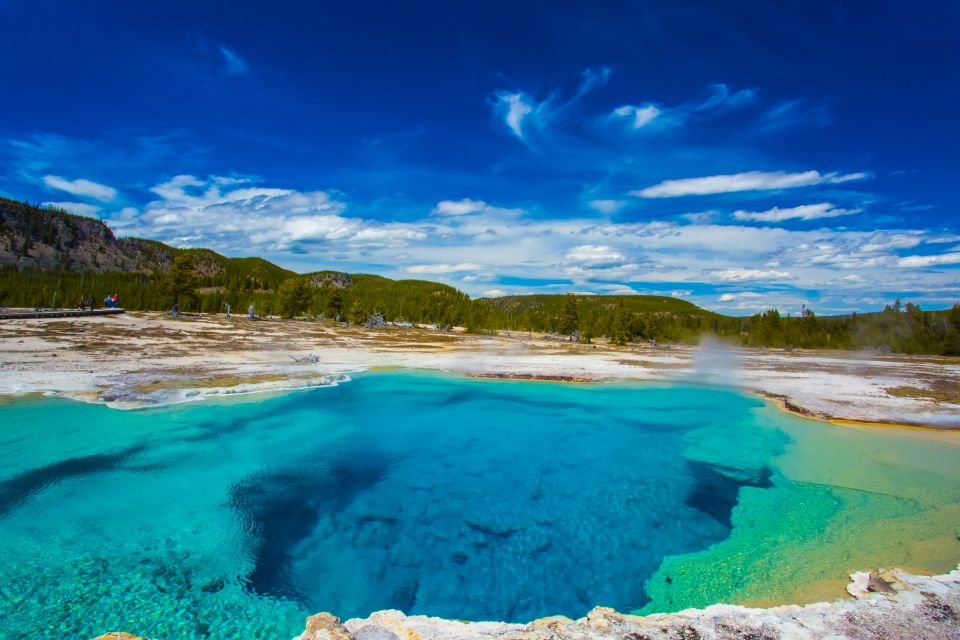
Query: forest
<point>354,298</point>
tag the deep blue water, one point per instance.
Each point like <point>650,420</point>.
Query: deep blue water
<point>430,494</point>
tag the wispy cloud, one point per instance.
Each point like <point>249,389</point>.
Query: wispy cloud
<point>649,115</point>
<point>803,212</point>
<point>790,114</point>
<point>739,274</point>
<point>746,181</point>
<point>443,268</point>
<point>608,207</point>
<point>81,187</point>
<point>517,108</point>
<point>590,80</point>
<point>930,261</point>
<point>233,62</point>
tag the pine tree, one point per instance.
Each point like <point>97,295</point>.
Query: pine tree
<point>335,303</point>
<point>357,314</point>
<point>570,320</point>
<point>295,295</point>
<point>180,280</point>
<point>620,333</point>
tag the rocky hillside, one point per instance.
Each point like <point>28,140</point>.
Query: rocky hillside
<point>36,238</point>
<point>41,238</point>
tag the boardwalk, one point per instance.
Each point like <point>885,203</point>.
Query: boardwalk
<point>12,314</point>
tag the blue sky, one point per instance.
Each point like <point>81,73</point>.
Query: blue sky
<point>743,155</point>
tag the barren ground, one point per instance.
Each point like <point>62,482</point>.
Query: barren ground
<point>146,358</point>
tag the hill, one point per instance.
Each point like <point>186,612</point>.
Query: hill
<point>34,238</point>
<point>51,239</point>
<point>664,317</point>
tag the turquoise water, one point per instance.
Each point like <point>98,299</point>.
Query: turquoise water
<point>430,494</point>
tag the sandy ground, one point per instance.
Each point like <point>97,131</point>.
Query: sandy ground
<point>147,358</point>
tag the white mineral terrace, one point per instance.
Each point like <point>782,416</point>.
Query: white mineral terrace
<point>147,358</point>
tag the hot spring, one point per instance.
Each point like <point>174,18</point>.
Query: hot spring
<point>439,495</point>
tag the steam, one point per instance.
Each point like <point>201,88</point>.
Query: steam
<point>493,351</point>
<point>715,363</point>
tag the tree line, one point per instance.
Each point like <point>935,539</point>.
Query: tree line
<point>900,328</point>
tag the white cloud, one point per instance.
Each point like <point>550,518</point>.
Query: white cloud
<point>803,212</point>
<point>728,297</point>
<point>472,211</point>
<point>610,290</point>
<point>443,268</point>
<point>250,219</point>
<point>930,261</point>
<point>120,220</point>
<point>740,274</point>
<point>81,187</point>
<point>608,207</point>
<point>639,116</point>
<point>460,207</point>
<point>746,181</point>
<point>595,255</point>
<point>233,63</point>
<point>942,239</point>
<point>494,293</point>
<point>77,208</point>
<point>515,107</point>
